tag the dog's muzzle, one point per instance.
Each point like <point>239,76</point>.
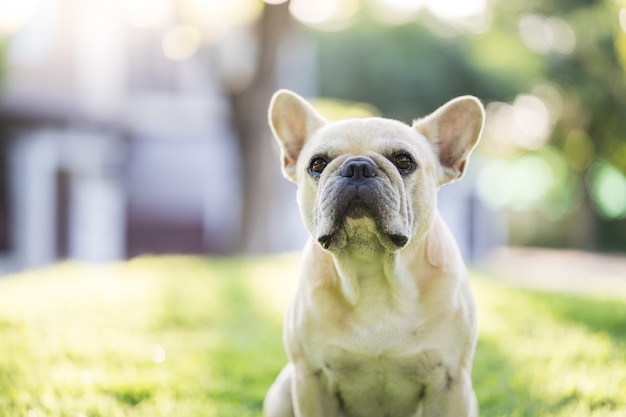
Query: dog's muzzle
<point>358,192</point>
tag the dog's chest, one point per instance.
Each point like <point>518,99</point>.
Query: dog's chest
<point>380,369</point>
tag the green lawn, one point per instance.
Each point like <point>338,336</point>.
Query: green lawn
<point>181,336</point>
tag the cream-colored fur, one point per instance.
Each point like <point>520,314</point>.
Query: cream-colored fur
<point>383,322</point>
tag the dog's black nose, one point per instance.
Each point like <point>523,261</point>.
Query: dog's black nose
<point>358,168</point>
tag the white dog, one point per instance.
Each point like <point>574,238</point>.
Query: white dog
<point>383,322</point>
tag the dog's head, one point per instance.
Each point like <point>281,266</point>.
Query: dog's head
<point>370,184</point>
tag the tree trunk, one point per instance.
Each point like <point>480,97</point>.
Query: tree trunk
<point>265,194</point>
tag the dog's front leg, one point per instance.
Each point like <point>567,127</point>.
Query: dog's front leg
<point>455,399</point>
<point>310,393</point>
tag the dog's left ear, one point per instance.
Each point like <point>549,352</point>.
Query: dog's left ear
<point>453,130</point>
<point>293,120</point>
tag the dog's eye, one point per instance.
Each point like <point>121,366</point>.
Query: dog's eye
<point>404,163</point>
<point>317,165</point>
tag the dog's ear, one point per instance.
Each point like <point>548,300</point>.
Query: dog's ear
<point>453,130</point>
<point>293,120</point>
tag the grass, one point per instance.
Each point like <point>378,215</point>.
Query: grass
<point>185,336</point>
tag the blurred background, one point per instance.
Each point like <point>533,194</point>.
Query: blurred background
<point>133,127</point>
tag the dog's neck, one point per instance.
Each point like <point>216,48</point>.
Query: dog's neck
<point>374,270</point>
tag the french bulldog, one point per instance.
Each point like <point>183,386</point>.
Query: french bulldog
<point>383,323</point>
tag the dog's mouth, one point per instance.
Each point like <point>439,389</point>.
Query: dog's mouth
<point>326,241</point>
<point>356,211</point>
<point>338,239</point>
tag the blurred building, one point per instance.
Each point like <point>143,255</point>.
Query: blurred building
<point>116,137</point>
<point>110,147</point>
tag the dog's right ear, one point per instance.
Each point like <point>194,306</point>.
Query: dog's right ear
<point>293,120</point>
<point>454,130</point>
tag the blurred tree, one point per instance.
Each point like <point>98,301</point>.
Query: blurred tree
<point>407,71</point>
<point>577,48</point>
<point>593,123</point>
<point>574,51</point>
<point>261,202</point>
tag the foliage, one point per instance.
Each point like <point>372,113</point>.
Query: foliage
<point>198,337</point>
<point>407,71</point>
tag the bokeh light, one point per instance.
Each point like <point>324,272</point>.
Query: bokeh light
<point>545,34</point>
<point>326,15</point>
<point>216,17</point>
<point>539,180</point>
<point>525,124</point>
<point>608,189</point>
<point>456,9</point>
<point>181,42</point>
<point>158,354</point>
<point>397,12</point>
<point>146,13</point>
<point>520,184</point>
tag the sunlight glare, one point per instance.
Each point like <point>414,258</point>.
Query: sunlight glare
<point>146,13</point>
<point>158,353</point>
<point>87,378</point>
<point>622,19</point>
<point>456,9</point>
<point>275,283</point>
<point>217,17</point>
<point>181,42</point>
<point>14,14</point>
<point>397,12</point>
<point>324,14</point>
